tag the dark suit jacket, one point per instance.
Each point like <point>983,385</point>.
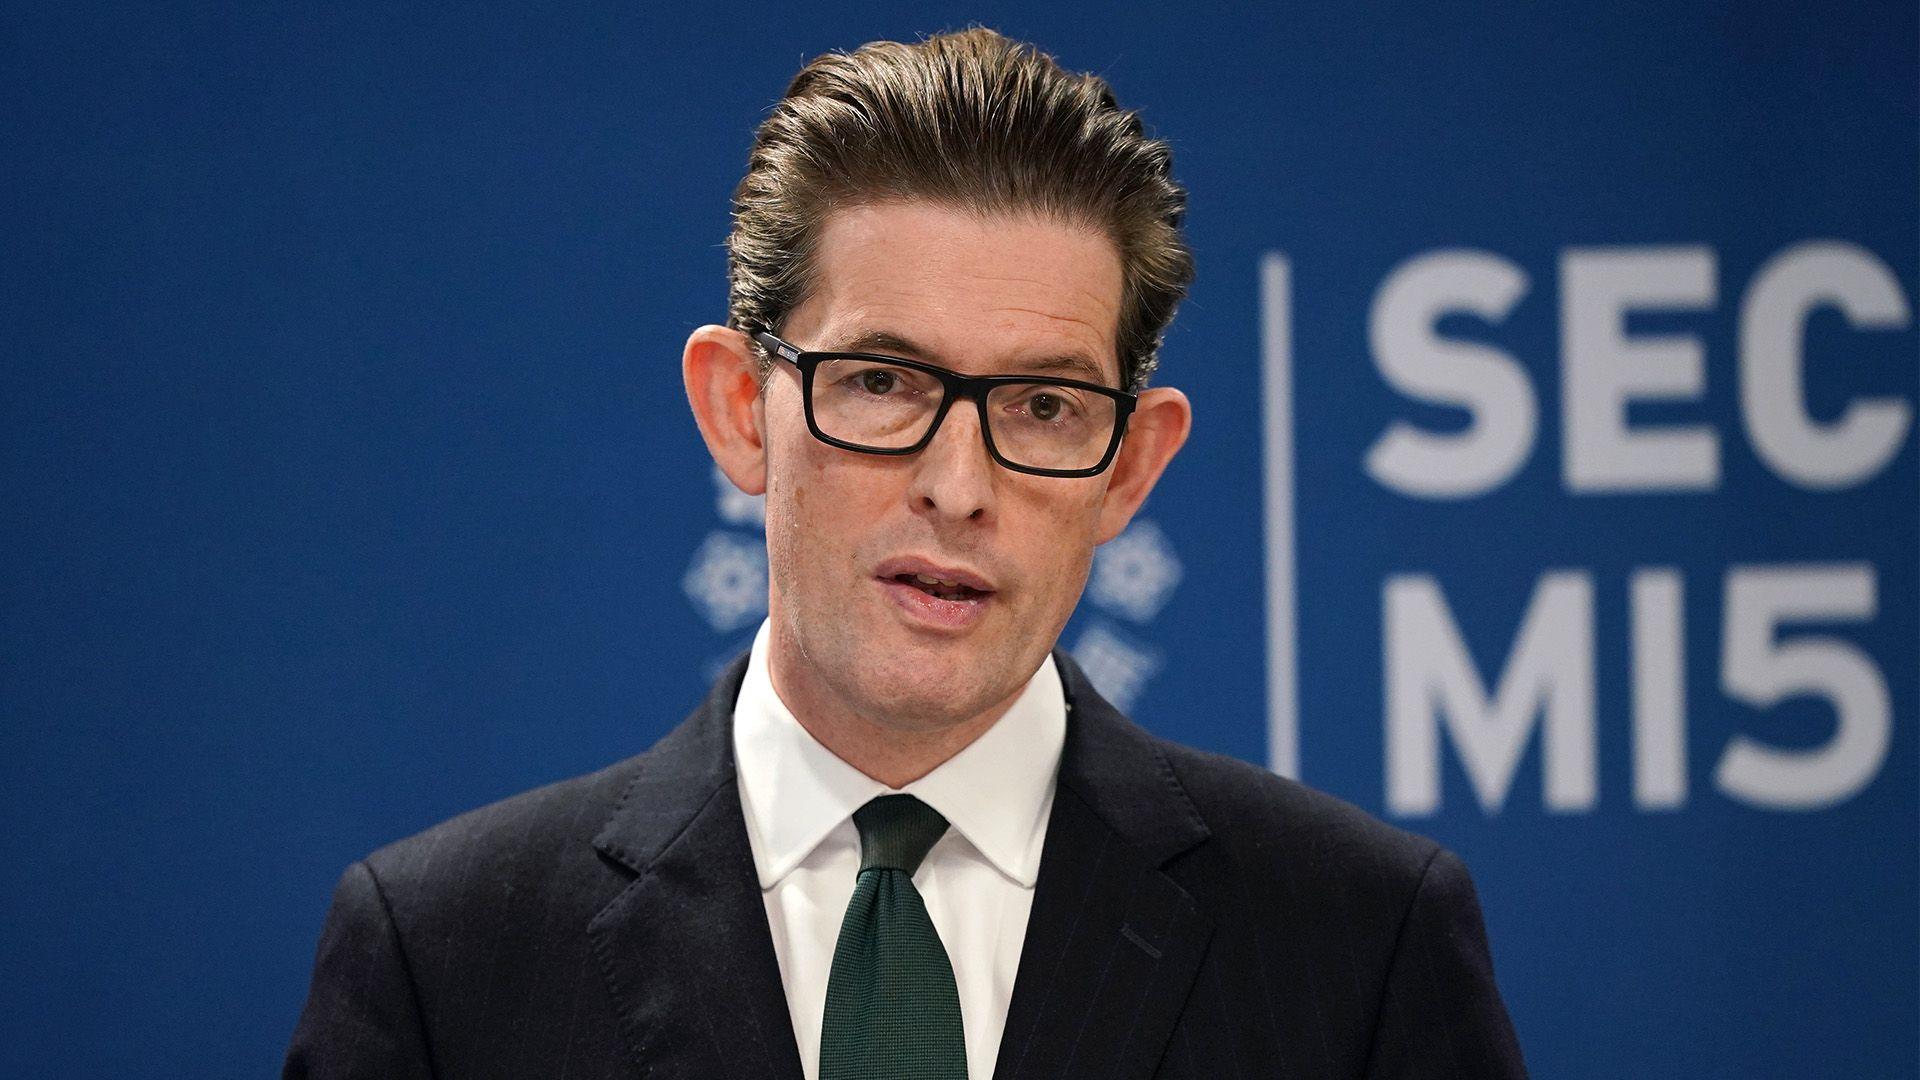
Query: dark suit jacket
<point>1195,917</point>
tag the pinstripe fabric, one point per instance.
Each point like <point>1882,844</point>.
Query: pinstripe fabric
<point>1195,918</point>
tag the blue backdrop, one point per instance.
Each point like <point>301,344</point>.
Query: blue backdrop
<point>1553,489</point>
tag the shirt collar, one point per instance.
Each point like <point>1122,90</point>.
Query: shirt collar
<point>994,792</point>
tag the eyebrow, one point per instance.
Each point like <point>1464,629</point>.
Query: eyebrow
<point>1072,365</point>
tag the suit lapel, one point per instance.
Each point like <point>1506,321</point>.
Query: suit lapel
<point>685,948</point>
<point>1113,943</point>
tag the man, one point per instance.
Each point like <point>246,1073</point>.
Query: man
<point>903,838</point>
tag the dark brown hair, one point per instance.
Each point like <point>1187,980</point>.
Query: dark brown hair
<point>971,120</point>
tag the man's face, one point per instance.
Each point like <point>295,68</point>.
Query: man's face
<point>848,534</point>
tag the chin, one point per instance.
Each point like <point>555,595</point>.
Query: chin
<point>930,700</point>
<point>906,678</point>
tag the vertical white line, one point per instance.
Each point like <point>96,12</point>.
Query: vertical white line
<point>1659,689</point>
<point>1276,400</point>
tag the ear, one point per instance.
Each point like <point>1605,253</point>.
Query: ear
<point>722,374</point>
<point>1155,432</point>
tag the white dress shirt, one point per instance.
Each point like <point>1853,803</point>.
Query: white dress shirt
<point>977,880</point>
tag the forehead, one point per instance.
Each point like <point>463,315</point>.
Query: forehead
<point>982,293</point>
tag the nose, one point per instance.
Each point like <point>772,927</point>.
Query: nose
<point>953,477</point>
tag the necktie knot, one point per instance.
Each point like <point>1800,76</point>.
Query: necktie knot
<point>896,832</point>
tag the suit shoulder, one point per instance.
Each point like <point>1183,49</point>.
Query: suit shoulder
<point>1282,825</point>
<point>524,834</point>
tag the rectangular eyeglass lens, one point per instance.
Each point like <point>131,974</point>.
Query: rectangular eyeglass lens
<point>874,404</point>
<point>1048,426</point>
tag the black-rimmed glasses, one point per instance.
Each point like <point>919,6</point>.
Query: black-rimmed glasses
<point>887,405</point>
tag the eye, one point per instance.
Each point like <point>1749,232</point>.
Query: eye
<point>1044,406</point>
<point>878,381</point>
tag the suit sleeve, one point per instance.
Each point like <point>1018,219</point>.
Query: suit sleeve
<point>1442,1015</point>
<point>362,1017</point>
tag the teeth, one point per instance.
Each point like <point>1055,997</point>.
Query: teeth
<point>925,580</point>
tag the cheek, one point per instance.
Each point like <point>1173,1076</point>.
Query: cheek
<point>1062,531</point>
<point>793,464</point>
<point>818,507</point>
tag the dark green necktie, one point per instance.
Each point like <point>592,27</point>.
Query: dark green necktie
<point>893,1011</point>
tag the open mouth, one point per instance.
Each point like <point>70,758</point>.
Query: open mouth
<point>943,590</point>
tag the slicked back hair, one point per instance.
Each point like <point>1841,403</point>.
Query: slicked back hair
<point>970,120</point>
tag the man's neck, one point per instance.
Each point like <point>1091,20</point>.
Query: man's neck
<point>893,755</point>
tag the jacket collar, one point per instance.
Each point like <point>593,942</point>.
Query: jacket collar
<point>1112,943</point>
<point>1109,760</point>
<point>685,948</point>
<point>1117,767</point>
